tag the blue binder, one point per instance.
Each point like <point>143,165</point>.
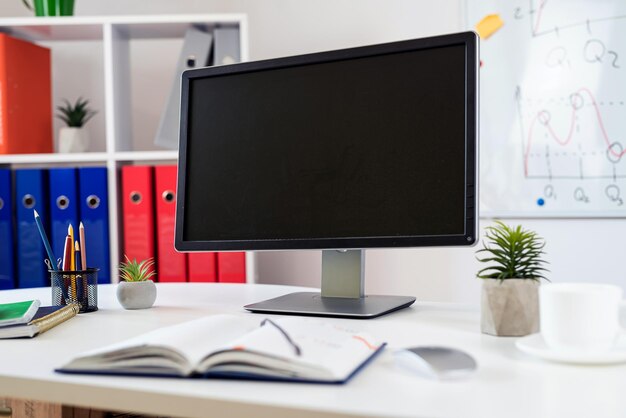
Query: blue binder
<point>63,206</point>
<point>7,253</point>
<point>31,187</point>
<point>94,214</point>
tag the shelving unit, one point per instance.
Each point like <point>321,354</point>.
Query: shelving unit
<point>114,35</point>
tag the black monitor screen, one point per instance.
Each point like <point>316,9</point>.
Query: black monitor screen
<point>346,150</point>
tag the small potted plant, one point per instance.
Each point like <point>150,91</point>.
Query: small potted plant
<point>510,294</point>
<point>136,290</point>
<point>73,137</point>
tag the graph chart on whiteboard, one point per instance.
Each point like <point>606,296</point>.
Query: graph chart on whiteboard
<point>553,106</point>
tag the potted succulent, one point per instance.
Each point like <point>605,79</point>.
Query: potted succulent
<point>510,294</point>
<point>136,290</point>
<point>73,137</point>
<point>50,7</point>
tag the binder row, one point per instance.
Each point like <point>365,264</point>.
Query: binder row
<point>148,218</point>
<point>61,196</point>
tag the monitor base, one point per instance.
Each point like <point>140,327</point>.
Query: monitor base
<point>313,304</point>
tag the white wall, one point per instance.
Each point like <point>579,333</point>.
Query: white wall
<point>578,249</point>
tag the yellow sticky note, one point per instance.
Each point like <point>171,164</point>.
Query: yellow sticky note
<point>489,25</point>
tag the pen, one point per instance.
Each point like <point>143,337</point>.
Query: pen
<point>67,254</point>
<point>44,238</point>
<point>70,232</point>
<point>83,249</point>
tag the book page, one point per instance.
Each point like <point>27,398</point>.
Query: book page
<point>193,339</point>
<point>335,349</point>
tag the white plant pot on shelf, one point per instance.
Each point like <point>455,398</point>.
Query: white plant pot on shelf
<point>72,139</point>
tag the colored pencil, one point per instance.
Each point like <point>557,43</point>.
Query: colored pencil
<point>77,252</point>
<point>46,243</point>
<point>70,232</point>
<point>83,249</point>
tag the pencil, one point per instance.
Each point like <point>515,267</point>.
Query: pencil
<point>77,252</point>
<point>70,232</point>
<point>83,249</point>
<point>46,243</point>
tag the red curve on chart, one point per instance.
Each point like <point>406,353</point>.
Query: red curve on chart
<point>538,20</point>
<point>570,134</point>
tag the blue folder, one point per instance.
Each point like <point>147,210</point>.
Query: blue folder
<point>31,186</point>
<point>63,206</point>
<point>7,253</point>
<point>94,214</point>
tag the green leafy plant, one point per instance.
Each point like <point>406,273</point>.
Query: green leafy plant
<point>133,271</point>
<point>515,253</point>
<point>77,114</point>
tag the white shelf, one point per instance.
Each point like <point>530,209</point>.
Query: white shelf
<point>83,28</point>
<point>86,157</point>
<point>146,156</point>
<point>115,34</point>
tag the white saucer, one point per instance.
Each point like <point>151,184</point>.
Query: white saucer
<point>536,346</point>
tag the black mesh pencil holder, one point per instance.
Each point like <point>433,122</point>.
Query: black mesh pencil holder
<point>80,286</point>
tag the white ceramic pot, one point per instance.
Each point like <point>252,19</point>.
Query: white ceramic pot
<point>73,139</point>
<point>510,308</point>
<point>136,295</point>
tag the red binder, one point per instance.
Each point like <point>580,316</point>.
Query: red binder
<point>172,265</point>
<point>231,267</point>
<point>25,97</point>
<point>138,212</point>
<point>202,267</point>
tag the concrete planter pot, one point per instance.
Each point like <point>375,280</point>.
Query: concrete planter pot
<point>72,139</point>
<point>510,308</point>
<point>136,295</point>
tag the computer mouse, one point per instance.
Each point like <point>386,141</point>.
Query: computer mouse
<point>441,363</point>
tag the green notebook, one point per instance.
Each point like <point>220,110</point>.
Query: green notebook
<point>18,312</point>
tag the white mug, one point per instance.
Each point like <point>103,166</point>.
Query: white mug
<point>580,317</point>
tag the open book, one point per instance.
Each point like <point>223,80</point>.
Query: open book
<point>289,348</point>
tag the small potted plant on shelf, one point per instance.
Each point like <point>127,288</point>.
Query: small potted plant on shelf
<point>510,288</point>
<point>50,7</point>
<point>136,290</point>
<point>73,137</point>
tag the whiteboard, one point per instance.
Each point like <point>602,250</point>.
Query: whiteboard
<point>553,108</point>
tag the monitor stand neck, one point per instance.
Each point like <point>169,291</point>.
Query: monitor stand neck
<point>343,274</point>
<point>343,292</point>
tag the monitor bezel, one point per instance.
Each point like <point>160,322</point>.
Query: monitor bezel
<point>468,39</point>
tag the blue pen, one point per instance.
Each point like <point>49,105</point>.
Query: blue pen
<point>44,238</point>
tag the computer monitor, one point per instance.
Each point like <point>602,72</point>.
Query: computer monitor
<point>369,147</point>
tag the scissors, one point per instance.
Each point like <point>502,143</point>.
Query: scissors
<point>49,264</point>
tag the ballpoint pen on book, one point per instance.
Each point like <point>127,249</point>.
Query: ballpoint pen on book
<point>46,243</point>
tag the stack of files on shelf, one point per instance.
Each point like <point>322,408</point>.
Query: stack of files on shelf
<point>149,208</point>
<point>63,206</point>
<point>171,265</point>
<point>25,97</point>
<point>138,212</point>
<point>62,197</point>
<point>94,214</point>
<point>195,53</point>
<point>7,253</point>
<point>31,193</point>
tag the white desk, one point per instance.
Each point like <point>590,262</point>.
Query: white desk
<point>508,384</point>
